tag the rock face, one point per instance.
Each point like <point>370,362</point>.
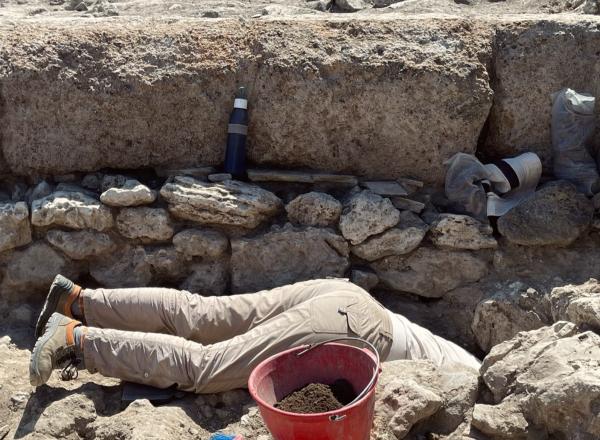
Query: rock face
<point>453,231</point>
<point>166,263</point>
<point>131,193</point>
<point>97,136</point>
<point>15,230</point>
<point>402,239</point>
<point>286,255</point>
<point>203,243</point>
<point>416,393</point>
<point>229,203</point>
<point>579,304</point>
<point>552,375</point>
<point>314,209</point>
<point>509,310</point>
<point>130,269</point>
<point>80,245</point>
<point>556,215</point>
<point>367,214</point>
<point>72,210</point>
<point>207,278</point>
<point>146,224</point>
<point>428,272</point>
<point>365,279</point>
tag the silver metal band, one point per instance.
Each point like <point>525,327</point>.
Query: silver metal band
<point>237,129</point>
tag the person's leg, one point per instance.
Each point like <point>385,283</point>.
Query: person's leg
<point>198,318</point>
<point>164,360</point>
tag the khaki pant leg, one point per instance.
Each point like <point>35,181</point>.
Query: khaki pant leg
<point>164,360</point>
<point>199,318</point>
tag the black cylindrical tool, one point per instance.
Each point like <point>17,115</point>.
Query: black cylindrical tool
<point>235,155</point>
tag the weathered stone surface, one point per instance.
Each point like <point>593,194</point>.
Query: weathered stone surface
<point>351,5</point>
<point>578,303</point>
<point>167,264</point>
<point>430,272</point>
<point>15,230</point>
<point>80,245</point>
<point>401,239</point>
<point>510,309</point>
<point>553,374</point>
<point>285,255</point>
<point>146,224</point>
<point>40,191</point>
<point>365,279</point>
<point>30,271</point>
<point>314,209</point>
<point>555,215</point>
<point>556,52</point>
<point>203,243</point>
<point>453,231</point>
<point>367,214</point>
<point>129,269</point>
<point>131,193</point>
<point>414,391</point>
<point>42,134</point>
<point>504,420</point>
<point>207,278</point>
<point>230,203</point>
<point>72,210</point>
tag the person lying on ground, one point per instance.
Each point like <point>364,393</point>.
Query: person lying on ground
<point>165,337</point>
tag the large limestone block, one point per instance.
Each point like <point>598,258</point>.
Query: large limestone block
<point>229,203</point>
<point>397,103</point>
<point>367,214</point>
<point>15,230</point>
<point>429,272</point>
<point>555,215</point>
<point>286,255</point>
<point>402,239</point>
<point>553,375</point>
<point>145,224</point>
<point>80,245</point>
<point>417,392</point>
<point>534,59</point>
<point>72,210</point>
<point>204,243</point>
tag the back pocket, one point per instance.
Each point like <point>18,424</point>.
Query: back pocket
<point>329,313</point>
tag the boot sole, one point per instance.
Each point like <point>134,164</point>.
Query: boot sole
<point>51,328</point>
<point>49,307</point>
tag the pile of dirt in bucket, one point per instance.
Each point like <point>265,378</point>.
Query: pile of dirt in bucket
<point>318,397</point>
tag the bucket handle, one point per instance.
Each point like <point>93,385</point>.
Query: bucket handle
<point>371,382</point>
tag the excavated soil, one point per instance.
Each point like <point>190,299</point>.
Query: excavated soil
<point>318,398</point>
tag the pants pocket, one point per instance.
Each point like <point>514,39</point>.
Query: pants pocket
<point>329,314</point>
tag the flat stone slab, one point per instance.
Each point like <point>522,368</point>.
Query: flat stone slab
<point>299,177</point>
<point>385,188</point>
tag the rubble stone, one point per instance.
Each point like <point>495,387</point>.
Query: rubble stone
<point>129,269</point>
<point>286,255</point>
<point>230,203</point>
<point>146,224</point>
<point>429,272</point>
<point>203,243</point>
<point>15,230</point>
<point>167,264</point>
<point>367,214</point>
<point>579,304</point>
<point>207,278</point>
<point>80,245</point>
<point>365,279</point>
<point>314,209</point>
<point>401,239</point>
<point>130,193</point>
<point>555,215</point>
<point>453,231</point>
<point>72,210</point>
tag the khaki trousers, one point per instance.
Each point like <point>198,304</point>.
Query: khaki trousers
<point>165,337</point>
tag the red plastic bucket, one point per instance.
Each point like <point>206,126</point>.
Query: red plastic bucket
<point>279,375</point>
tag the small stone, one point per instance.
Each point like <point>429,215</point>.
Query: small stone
<point>80,245</point>
<point>71,187</point>
<point>403,203</point>
<point>210,14</point>
<point>207,278</point>
<point>5,341</point>
<point>92,181</point>
<point>130,193</point>
<point>72,210</point>
<point>146,224</point>
<point>314,209</point>
<point>385,188</point>
<point>555,215</point>
<point>203,243</point>
<point>130,268</point>
<point>500,421</point>
<point>81,7</point>
<point>167,263</point>
<point>366,280</point>
<point>65,178</point>
<point>453,231</point>
<point>40,191</point>
<point>401,239</point>
<point>19,190</point>
<point>230,203</point>
<point>218,177</point>
<point>579,304</point>
<point>19,400</point>
<point>15,230</point>
<point>429,272</point>
<point>351,5</point>
<point>367,214</point>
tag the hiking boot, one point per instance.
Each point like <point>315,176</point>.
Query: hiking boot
<point>63,292</point>
<point>55,349</point>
